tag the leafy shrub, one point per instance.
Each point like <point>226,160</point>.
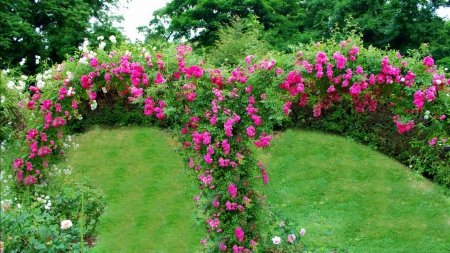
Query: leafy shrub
<point>33,222</point>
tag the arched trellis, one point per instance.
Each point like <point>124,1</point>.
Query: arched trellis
<point>223,116</point>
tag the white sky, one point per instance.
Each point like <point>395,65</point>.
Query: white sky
<point>139,13</point>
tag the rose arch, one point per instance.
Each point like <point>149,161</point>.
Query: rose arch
<point>221,117</point>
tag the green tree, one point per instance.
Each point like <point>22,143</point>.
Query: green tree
<point>200,20</point>
<point>240,39</point>
<point>399,24</point>
<point>49,28</point>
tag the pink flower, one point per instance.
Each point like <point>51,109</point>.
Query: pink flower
<point>208,159</point>
<point>222,246</point>
<point>419,99</point>
<point>442,117</point>
<point>232,190</point>
<point>302,232</point>
<point>18,163</point>
<point>86,82</point>
<point>248,59</point>
<point>359,70</point>
<point>159,79</point>
<point>291,238</point>
<point>251,131</point>
<point>239,234</point>
<point>29,180</point>
<point>74,104</point>
<point>432,142</point>
<point>265,176</point>
<point>428,61</point>
<point>331,89</point>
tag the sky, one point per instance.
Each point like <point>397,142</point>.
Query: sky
<point>139,13</point>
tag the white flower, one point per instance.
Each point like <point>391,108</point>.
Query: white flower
<point>102,45</point>
<point>112,38</point>
<point>21,85</point>
<point>19,205</point>
<point>100,38</point>
<point>70,75</point>
<point>427,112</point>
<point>438,82</point>
<point>402,80</point>
<point>22,62</point>
<point>39,77</point>
<point>446,69</point>
<point>65,224</point>
<point>276,240</point>
<point>426,117</point>
<point>70,92</point>
<point>91,54</point>
<point>11,85</point>
<point>40,84</point>
<point>93,105</point>
<point>24,77</point>
<point>104,90</point>
<point>5,71</point>
<point>83,60</point>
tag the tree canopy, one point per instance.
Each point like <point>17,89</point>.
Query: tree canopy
<point>398,24</point>
<point>50,29</point>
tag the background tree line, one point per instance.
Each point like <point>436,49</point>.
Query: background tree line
<point>53,29</point>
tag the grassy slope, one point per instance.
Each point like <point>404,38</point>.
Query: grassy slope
<point>150,207</point>
<point>346,195</point>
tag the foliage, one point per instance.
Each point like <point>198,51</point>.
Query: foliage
<point>35,222</point>
<point>50,30</point>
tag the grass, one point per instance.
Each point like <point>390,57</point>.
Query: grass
<point>347,196</point>
<point>150,207</point>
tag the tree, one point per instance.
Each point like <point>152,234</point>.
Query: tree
<point>399,24</point>
<point>50,29</point>
<point>200,20</point>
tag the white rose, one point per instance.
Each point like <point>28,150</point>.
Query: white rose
<point>65,224</point>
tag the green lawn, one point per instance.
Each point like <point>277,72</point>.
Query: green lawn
<point>347,196</point>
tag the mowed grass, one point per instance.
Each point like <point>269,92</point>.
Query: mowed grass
<point>149,196</point>
<point>347,196</point>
